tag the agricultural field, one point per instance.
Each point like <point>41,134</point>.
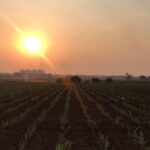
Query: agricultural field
<point>86,116</point>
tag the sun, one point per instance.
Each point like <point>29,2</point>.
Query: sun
<point>32,44</point>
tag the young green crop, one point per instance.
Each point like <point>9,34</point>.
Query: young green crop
<point>63,142</point>
<point>32,128</point>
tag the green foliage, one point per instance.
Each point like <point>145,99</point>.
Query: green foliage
<point>102,142</point>
<point>138,137</point>
<point>32,128</point>
<point>117,120</point>
<point>64,145</point>
<point>27,136</point>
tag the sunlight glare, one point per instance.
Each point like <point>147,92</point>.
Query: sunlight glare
<point>33,44</point>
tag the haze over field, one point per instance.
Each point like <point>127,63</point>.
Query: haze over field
<point>80,36</point>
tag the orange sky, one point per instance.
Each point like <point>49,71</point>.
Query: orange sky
<point>85,36</point>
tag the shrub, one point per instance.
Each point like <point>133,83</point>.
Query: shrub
<point>142,77</point>
<point>95,80</point>
<point>109,80</point>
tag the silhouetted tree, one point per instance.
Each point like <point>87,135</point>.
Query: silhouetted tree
<point>142,77</point>
<point>18,74</point>
<point>109,80</point>
<point>128,76</point>
<point>75,79</point>
<point>95,80</point>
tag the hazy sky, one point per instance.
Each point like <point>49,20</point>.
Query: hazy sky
<point>85,36</point>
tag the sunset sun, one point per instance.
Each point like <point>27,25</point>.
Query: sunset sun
<point>32,44</point>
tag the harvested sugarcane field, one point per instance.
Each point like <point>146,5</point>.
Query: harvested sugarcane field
<point>75,116</point>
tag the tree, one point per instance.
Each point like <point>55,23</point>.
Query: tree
<point>109,80</point>
<point>142,77</point>
<point>18,74</point>
<point>128,76</point>
<point>76,79</point>
<point>95,80</point>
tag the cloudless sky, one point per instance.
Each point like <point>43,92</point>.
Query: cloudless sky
<point>85,36</point>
